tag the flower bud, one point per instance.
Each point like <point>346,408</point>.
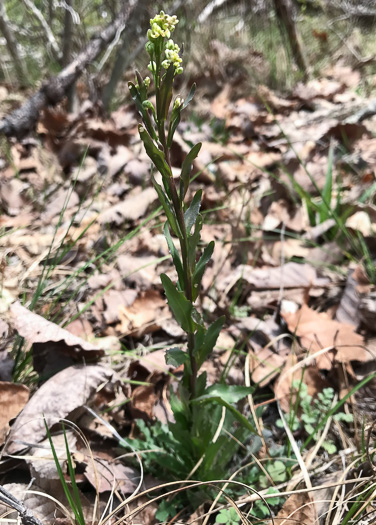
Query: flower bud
<point>147,105</point>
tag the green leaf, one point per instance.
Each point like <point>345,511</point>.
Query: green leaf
<point>180,306</point>
<point>155,155</point>
<point>186,169</point>
<point>176,356</point>
<point>175,256</point>
<point>165,93</point>
<point>174,122</point>
<point>209,341</point>
<point>277,471</point>
<point>219,401</point>
<point>201,384</point>
<point>200,268</point>
<point>138,100</point>
<point>190,95</point>
<point>167,207</point>
<point>193,241</point>
<point>191,214</point>
<point>329,446</point>
<point>165,510</point>
<point>228,393</point>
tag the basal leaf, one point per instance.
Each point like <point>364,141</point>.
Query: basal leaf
<point>209,341</point>
<point>175,256</point>
<point>186,169</point>
<point>180,306</point>
<point>200,268</point>
<point>191,214</point>
<point>176,356</point>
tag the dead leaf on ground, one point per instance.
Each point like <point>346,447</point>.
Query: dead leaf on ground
<point>318,331</point>
<point>290,275</point>
<point>139,270</point>
<point>64,199</point>
<point>298,508</point>
<point>133,207</point>
<point>143,315</point>
<point>111,475</point>
<point>54,347</point>
<point>57,398</point>
<point>13,398</point>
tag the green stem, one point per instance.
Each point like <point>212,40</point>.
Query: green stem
<point>183,240</point>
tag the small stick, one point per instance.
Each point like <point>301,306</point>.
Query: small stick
<point>26,515</point>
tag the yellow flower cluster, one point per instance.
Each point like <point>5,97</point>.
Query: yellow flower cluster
<point>172,57</point>
<point>162,25</point>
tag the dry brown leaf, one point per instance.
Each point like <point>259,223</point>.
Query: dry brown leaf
<point>11,199</point>
<point>111,475</point>
<point>144,399</point>
<point>57,398</point>
<point>48,338</point>
<point>318,331</point>
<point>131,208</point>
<point>142,316</point>
<point>265,365</point>
<point>63,199</point>
<point>290,275</point>
<point>297,509</point>
<point>13,398</point>
<point>139,270</point>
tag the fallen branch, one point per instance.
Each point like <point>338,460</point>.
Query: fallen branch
<point>24,119</point>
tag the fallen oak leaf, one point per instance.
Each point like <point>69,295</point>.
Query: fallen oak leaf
<point>317,331</point>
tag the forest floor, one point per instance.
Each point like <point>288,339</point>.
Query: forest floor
<point>289,185</point>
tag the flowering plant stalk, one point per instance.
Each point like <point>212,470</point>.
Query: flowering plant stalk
<point>184,221</point>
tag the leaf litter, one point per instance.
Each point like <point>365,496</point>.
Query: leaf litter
<point>81,220</point>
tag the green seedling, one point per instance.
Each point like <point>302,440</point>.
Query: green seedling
<point>314,413</point>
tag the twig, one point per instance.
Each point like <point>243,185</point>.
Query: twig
<point>26,515</point>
